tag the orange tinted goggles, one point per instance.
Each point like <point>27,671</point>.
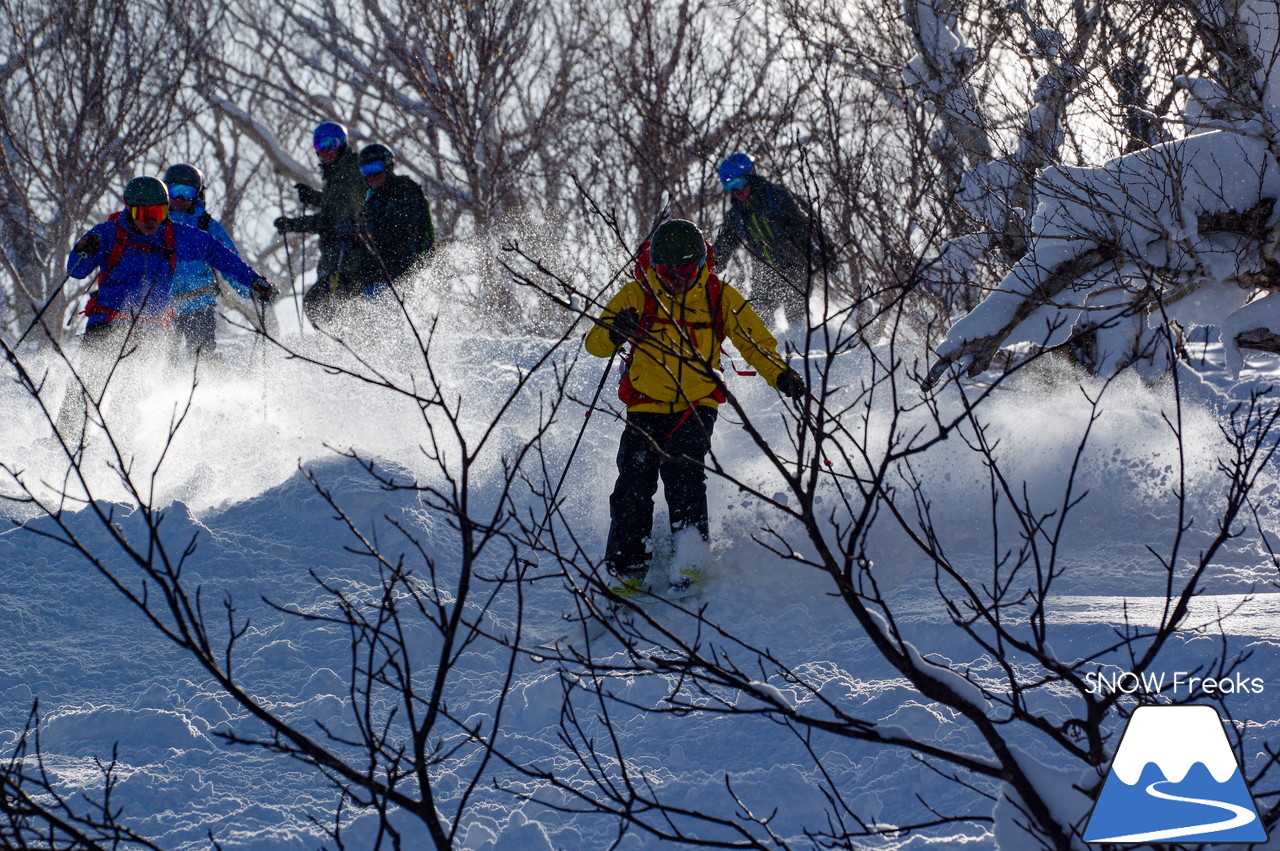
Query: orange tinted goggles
<point>150,213</point>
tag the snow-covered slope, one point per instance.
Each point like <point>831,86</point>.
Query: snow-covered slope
<point>104,678</point>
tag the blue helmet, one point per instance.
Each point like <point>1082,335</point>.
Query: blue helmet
<point>736,165</point>
<point>330,130</point>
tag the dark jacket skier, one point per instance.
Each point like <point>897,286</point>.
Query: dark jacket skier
<point>674,314</point>
<point>340,271</point>
<point>397,219</point>
<point>786,247</point>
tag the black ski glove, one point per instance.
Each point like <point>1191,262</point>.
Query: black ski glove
<point>89,245</point>
<point>307,196</point>
<point>625,326</point>
<point>262,290</point>
<point>283,224</point>
<point>790,384</point>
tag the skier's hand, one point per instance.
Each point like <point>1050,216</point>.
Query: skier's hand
<point>88,246</point>
<point>307,196</point>
<point>283,224</point>
<point>374,290</point>
<point>790,384</point>
<point>262,290</point>
<point>625,326</point>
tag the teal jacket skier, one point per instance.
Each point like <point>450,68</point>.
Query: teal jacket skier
<point>195,286</point>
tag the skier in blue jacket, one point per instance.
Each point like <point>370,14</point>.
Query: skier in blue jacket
<point>195,287</point>
<point>137,253</point>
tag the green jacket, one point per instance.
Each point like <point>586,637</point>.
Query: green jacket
<point>340,217</point>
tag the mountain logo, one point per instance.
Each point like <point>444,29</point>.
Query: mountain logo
<point>1174,777</point>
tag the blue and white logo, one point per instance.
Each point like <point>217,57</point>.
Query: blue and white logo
<point>1174,777</point>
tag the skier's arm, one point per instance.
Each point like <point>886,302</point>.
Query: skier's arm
<point>413,220</point>
<point>802,228</point>
<point>729,239</point>
<point>236,271</point>
<point>749,334</point>
<point>219,233</point>
<point>314,223</point>
<point>419,232</point>
<point>598,340</point>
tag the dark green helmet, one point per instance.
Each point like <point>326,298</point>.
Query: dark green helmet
<point>145,191</point>
<point>184,174</point>
<point>376,153</point>
<point>677,242</point>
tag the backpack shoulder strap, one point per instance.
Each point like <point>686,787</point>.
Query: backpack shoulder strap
<point>650,310</point>
<point>715,289</point>
<point>122,241</point>
<point>170,251</point>
<point>117,248</point>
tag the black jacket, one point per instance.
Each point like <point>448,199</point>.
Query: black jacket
<point>774,230</point>
<point>398,221</point>
<point>341,207</point>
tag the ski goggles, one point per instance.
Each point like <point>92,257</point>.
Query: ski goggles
<point>677,278</point>
<point>735,184</point>
<point>183,193</point>
<point>328,143</point>
<point>375,167</point>
<point>150,212</point>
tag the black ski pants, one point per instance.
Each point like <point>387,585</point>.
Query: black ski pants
<point>672,447</point>
<point>787,288</point>
<point>198,329</point>
<point>327,297</point>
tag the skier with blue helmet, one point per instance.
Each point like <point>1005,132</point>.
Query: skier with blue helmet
<point>195,286</point>
<point>341,270</point>
<point>786,247</point>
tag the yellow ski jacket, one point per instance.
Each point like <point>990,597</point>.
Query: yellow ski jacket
<point>672,368</point>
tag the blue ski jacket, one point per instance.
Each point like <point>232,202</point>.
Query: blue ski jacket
<point>194,285</point>
<point>136,272</point>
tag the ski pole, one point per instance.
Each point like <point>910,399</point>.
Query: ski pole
<point>297,302</point>
<point>288,260</point>
<point>56,291</point>
<point>293,282</point>
<point>564,474</point>
<point>262,341</point>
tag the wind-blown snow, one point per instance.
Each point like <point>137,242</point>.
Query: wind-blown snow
<point>105,679</point>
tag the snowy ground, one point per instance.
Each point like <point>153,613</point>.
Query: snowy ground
<point>104,679</point>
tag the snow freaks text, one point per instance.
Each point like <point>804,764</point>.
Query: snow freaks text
<point>1184,682</point>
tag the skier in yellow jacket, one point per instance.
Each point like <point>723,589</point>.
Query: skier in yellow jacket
<point>674,314</point>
